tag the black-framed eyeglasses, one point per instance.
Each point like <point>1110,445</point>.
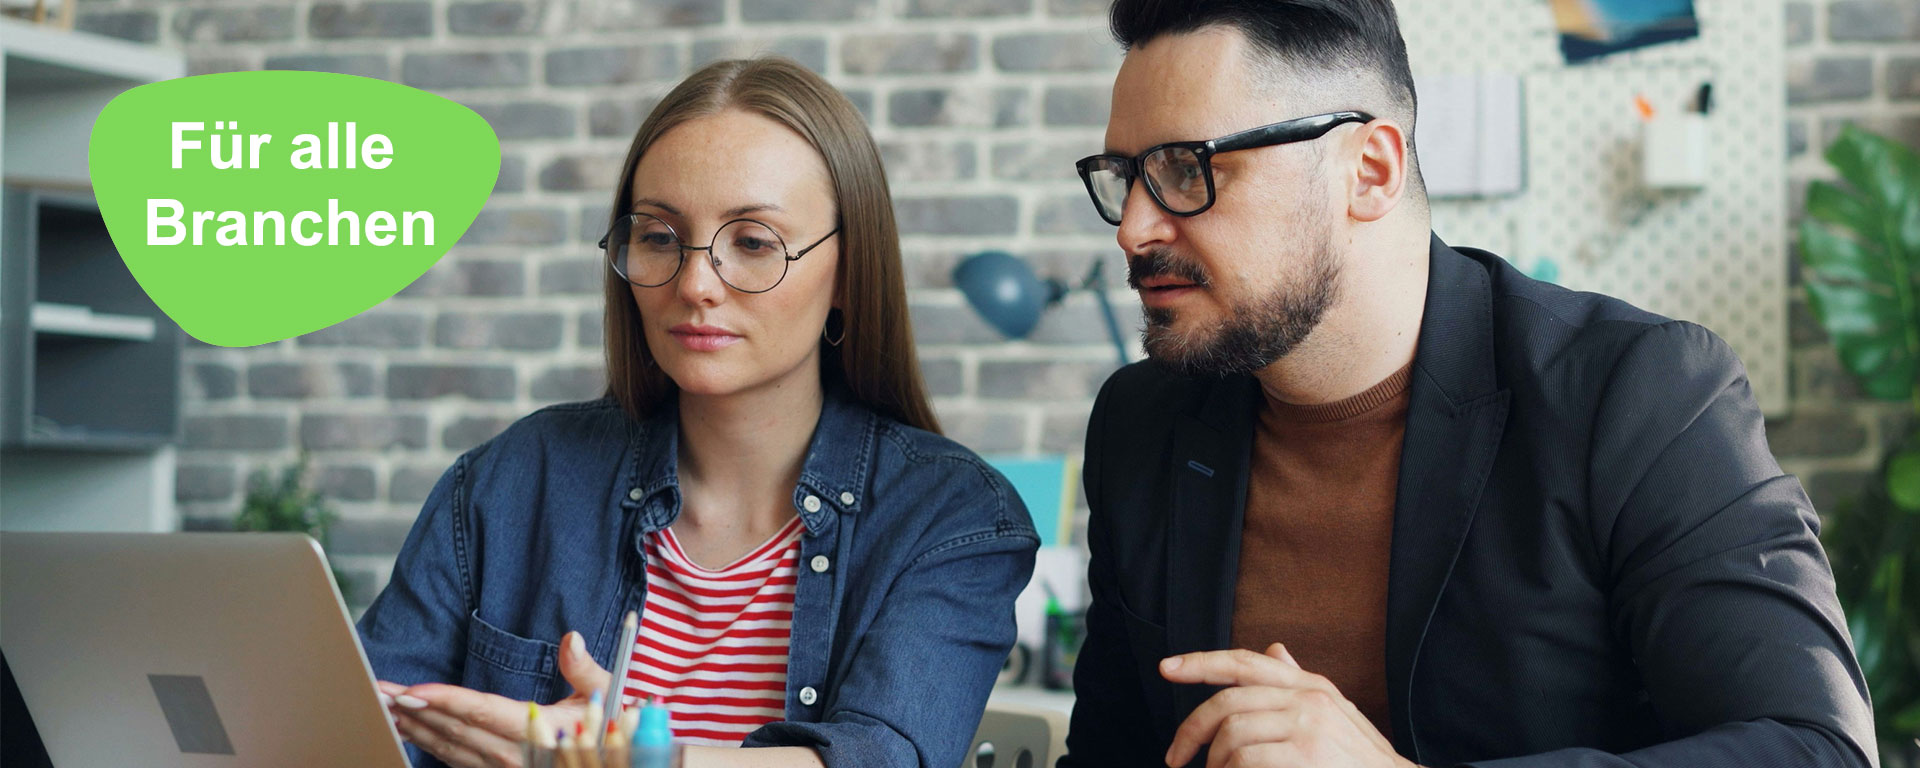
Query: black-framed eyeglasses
<point>748,254</point>
<point>1179,174</point>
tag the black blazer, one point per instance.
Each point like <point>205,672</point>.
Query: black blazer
<point>1596,560</point>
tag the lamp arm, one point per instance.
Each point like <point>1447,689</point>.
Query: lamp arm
<point>1095,281</point>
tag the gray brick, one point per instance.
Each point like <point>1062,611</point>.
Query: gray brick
<point>498,330</point>
<point>965,106</point>
<point>473,69</point>
<point>470,277</point>
<point>944,376</point>
<point>1796,137</point>
<point>412,484</point>
<point>368,535</point>
<point>1902,129</point>
<point>813,10</point>
<point>1818,376</point>
<point>810,52</point>
<point>1041,160</point>
<point>203,523</point>
<point>1896,427</point>
<point>594,221</point>
<point>650,15</point>
<point>310,380</point>
<point>1065,431</point>
<point>372,65</point>
<point>862,100</point>
<point>379,329</point>
<point>598,173</point>
<point>363,431</point>
<point>213,381</point>
<point>1097,8</point>
<point>1078,321</point>
<point>469,431</point>
<point>203,482</point>
<point>138,26</point>
<point>1087,51</point>
<point>994,215</point>
<point>1077,105</point>
<point>986,431</point>
<point>346,482</point>
<point>528,119</point>
<point>361,584</point>
<point>1803,329</point>
<point>613,65</point>
<point>412,381</point>
<point>1069,215</point>
<point>375,20</point>
<point>590,328</point>
<point>973,9</point>
<point>908,161</point>
<point>950,324</point>
<point>570,382</point>
<point>1829,79</point>
<point>233,24</point>
<point>618,116</point>
<point>1799,23</point>
<point>1817,432</point>
<point>237,432</point>
<point>510,225</point>
<point>1831,488</point>
<point>513,174</point>
<point>214,65</point>
<point>1903,77</point>
<point>573,277</point>
<point>1043,379</point>
<point>1875,21</point>
<point>914,53</point>
<point>493,19</point>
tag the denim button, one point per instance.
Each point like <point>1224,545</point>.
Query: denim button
<point>634,494</point>
<point>819,564</point>
<point>846,498</point>
<point>808,696</point>
<point>811,502</point>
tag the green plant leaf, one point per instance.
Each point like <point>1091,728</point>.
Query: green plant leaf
<point>1903,480</point>
<point>1878,167</point>
<point>1838,258</point>
<point>1846,309</point>
<point>1829,203</point>
<point>1885,369</point>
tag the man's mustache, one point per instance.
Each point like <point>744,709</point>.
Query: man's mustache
<point>1160,262</point>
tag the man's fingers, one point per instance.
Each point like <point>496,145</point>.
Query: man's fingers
<point>1235,667</point>
<point>1245,729</point>
<point>1279,651</point>
<point>486,746</point>
<point>579,668</point>
<point>1202,727</point>
<point>1272,754</point>
<point>436,743</point>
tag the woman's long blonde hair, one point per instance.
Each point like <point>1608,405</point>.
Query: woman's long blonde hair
<point>876,359</point>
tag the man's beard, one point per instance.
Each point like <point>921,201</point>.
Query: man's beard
<point>1254,334</point>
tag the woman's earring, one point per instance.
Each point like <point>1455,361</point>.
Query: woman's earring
<point>827,333</point>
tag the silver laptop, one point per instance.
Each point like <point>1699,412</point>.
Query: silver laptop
<point>188,649</point>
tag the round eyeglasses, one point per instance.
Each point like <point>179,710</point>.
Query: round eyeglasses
<point>1179,174</point>
<point>749,255</point>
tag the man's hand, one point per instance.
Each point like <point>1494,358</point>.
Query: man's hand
<point>470,729</point>
<point>1273,715</point>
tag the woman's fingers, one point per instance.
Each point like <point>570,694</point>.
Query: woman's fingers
<point>579,668</point>
<point>438,731</point>
<point>438,744</point>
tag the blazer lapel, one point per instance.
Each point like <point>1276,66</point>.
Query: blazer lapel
<point>1211,450</point>
<point>1455,416</point>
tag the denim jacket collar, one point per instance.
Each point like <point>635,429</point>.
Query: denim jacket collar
<point>833,474</point>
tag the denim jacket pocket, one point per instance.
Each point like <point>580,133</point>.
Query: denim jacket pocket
<point>507,664</point>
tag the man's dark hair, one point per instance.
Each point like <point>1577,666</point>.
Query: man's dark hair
<point>1307,36</point>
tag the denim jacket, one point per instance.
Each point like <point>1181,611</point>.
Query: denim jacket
<point>913,553</point>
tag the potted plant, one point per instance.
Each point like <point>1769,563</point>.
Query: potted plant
<point>1860,244</point>
<point>287,506</point>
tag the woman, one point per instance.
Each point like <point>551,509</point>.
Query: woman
<point>818,572</point>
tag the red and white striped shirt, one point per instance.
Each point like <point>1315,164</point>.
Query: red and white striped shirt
<point>713,643</point>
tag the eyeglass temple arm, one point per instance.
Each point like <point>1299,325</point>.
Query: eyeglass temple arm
<point>1290,131</point>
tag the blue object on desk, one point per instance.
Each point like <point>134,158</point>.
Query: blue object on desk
<point>1047,485</point>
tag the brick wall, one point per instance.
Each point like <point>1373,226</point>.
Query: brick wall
<point>979,105</point>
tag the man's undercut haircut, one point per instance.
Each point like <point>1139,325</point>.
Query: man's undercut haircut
<point>1309,39</point>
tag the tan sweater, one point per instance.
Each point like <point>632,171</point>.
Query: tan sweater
<point>1318,536</point>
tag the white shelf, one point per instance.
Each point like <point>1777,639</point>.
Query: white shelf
<point>74,320</point>
<point>41,56</point>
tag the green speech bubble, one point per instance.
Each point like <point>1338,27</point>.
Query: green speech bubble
<point>394,175</point>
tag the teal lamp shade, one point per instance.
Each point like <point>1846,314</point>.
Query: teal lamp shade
<point>1004,291</point>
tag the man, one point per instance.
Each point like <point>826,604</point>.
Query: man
<point>1376,501</point>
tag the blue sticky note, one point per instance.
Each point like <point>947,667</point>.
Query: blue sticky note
<point>1046,485</point>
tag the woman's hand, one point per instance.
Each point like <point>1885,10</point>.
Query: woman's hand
<point>471,729</point>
